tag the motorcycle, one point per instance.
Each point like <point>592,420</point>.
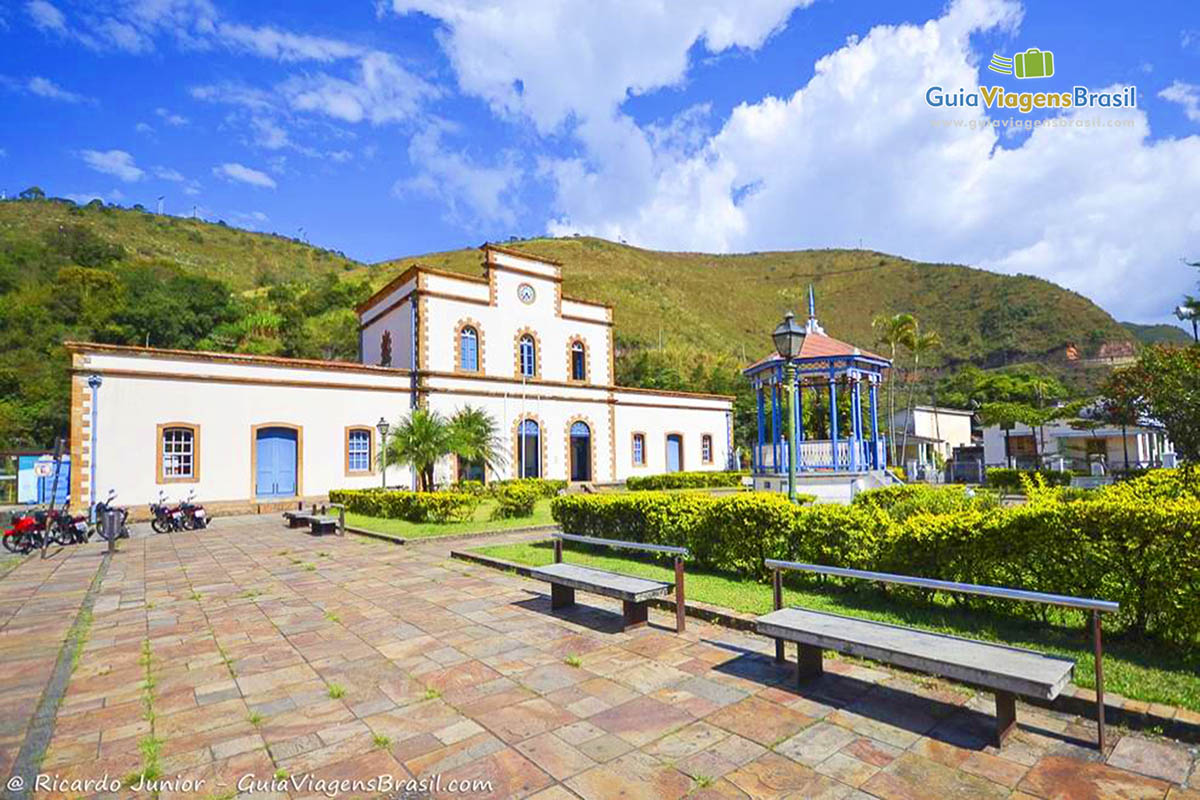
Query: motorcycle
<point>27,533</point>
<point>64,528</point>
<point>194,515</point>
<point>102,508</point>
<point>165,518</point>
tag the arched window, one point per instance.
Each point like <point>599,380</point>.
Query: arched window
<point>706,454</point>
<point>578,361</point>
<point>359,447</point>
<point>468,349</point>
<point>528,356</point>
<point>581,452</point>
<point>179,453</point>
<point>529,450</point>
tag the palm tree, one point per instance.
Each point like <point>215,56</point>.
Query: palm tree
<point>894,331</point>
<point>419,441</point>
<point>919,345</point>
<point>475,438</point>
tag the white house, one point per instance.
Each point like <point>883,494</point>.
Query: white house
<point>252,431</point>
<point>931,430</point>
<point>1062,446</point>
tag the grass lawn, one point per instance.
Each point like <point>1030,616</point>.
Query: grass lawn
<point>481,522</point>
<point>1137,669</point>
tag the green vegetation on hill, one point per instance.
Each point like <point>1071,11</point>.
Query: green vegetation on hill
<point>683,320</point>
<point>1153,334</point>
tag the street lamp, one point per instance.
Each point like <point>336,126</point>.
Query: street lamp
<point>788,339</point>
<point>382,426</point>
<point>1190,312</point>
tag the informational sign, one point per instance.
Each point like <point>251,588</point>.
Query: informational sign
<point>43,467</point>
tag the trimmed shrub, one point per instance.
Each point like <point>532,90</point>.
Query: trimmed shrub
<point>410,506</point>
<point>1137,542</point>
<point>543,486</point>
<point>685,480</point>
<point>1009,480</point>
<point>475,488</point>
<point>515,500</point>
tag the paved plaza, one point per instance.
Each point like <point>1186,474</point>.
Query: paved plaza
<point>251,649</point>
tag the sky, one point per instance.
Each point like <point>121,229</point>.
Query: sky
<point>398,127</point>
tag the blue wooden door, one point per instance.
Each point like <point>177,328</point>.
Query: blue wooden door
<point>275,462</point>
<point>674,453</point>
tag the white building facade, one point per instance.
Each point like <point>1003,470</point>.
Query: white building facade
<point>1060,446</point>
<point>247,432</point>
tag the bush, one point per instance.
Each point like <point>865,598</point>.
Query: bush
<point>410,506</point>
<point>543,486</point>
<point>1137,543</point>
<point>1009,480</point>
<point>685,480</point>
<point>475,488</point>
<point>515,500</point>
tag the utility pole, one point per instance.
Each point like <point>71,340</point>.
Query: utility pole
<point>160,204</point>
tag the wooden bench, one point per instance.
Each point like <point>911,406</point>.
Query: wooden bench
<point>1007,671</point>
<point>634,593</point>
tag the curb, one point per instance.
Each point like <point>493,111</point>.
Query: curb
<point>1180,724</point>
<point>450,537</point>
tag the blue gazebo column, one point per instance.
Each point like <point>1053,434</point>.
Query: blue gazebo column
<point>799,422</point>
<point>756,457</point>
<point>856,425</point>
<point>775,425</point>
<point>833,421</point>
<point>873,394</point>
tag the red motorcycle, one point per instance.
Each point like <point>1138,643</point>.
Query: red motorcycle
<point>194,515</point>
<point>27,533</point>
<point>165,518</point>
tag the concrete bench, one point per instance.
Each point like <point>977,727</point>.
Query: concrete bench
<point>633,592</point>
<point>297,519</point>
<point>1007,671</point>
<point>320,525</point>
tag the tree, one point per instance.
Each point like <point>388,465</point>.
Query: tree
<point>1166,381</point>
<point>918,344</point>
<point>475,438</point>
<point>1119,404</point>
<point>894,331</point>
<point>32,193</point>
<point>419,441</point>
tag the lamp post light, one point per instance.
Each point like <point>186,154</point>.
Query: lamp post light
<point>1190,312</point>
<point>788,338</point>
<point>382,426</point>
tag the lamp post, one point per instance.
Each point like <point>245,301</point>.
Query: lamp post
<point>788,338</point>
<point>1190,312</point>
<point>382,426</point>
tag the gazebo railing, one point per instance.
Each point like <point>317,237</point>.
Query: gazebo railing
<point>819,454</point>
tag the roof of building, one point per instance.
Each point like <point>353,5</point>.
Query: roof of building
<point>817,346</point>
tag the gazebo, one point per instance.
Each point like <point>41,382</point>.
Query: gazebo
<point>825,369</point>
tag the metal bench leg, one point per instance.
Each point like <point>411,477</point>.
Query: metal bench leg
<point>561,596</point>
<point>635,614</point>
<point>1006,716</point>
<point>808,662</point>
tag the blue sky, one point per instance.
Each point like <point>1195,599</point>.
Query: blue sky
<point>404,126</point>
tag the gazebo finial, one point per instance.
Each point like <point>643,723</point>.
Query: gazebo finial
<point>812,303</point>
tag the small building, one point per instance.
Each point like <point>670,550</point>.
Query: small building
<point>247,431</point>
<point>1061,446</point>
<point>840,384</point>
<point>933,434</point>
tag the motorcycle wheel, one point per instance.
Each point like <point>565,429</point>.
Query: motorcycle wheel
<point>160,525</point>
<point>13,543</point>
<point>60,535</point>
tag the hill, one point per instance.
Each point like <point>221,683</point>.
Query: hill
<point>730,303</point>
<point>683,320</point>
<point>1153,334</point>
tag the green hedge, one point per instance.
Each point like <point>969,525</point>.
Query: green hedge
<point>685,480</point>
<point>410,506</point>
<point>1009,480</point>
<point>515,500</point>
<point>544,487</point>
<point>1137,543</point>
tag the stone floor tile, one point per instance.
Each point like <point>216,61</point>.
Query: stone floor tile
<point>814,744</point>
<point>1168,761</point>
<point>846,769</point>
<point>640,721</point>
<point>554,756</point>
<point>911,777</point>
<point>759,720</point>
<point>631,777</point>
<point>1060,778</point>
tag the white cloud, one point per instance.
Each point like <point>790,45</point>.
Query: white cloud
<point>473,194</point>
<point>581,57</point>
<point>143,127</point>
<point>3,153</point>
<point>44,87</point>
<point>280,45</point>
<point>852,155</point>
<point>381,91</point>
<point>244,174</point>
<point>113,162</point>
<point>171,118</point>
<point>1186,95</point>
<point>168,174</point>
<point>46,16</point>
